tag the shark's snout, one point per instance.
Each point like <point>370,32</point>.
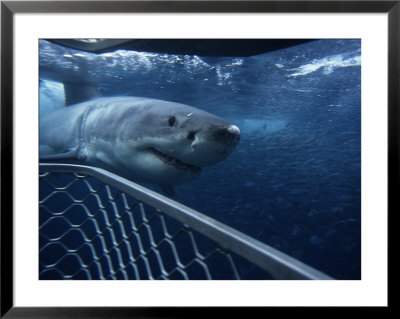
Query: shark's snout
<point>227,135</point>
<point>212,144</point>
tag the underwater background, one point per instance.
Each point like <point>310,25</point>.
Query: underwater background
<point>294,180</point>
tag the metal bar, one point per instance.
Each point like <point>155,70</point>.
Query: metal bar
<point>278,264</point>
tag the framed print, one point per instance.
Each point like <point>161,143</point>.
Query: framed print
<point>165,157</point>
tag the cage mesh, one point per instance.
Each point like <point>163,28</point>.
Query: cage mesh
<point>91,230</point>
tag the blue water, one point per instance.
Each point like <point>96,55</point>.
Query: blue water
<point>294,180</point>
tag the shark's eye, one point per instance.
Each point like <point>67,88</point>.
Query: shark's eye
<point>171,121</point>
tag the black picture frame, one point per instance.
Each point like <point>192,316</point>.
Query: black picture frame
<point>9,8</point>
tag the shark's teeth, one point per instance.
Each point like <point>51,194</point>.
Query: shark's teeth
<point>172,161</point>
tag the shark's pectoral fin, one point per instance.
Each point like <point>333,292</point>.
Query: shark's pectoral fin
<point>71,154</point>
<point>168,190</point>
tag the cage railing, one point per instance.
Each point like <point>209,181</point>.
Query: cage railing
<point>276,263</point>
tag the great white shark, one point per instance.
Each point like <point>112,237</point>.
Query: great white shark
<point>143,139</point>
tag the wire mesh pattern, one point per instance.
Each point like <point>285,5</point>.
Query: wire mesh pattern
<point>91,230</point>
<point>97,225</point>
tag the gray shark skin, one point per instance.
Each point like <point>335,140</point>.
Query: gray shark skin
<point>142,139</point>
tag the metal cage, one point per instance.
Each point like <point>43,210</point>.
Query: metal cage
<point>97,225</point>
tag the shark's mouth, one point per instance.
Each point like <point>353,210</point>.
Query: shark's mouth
<point>172,161</point>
